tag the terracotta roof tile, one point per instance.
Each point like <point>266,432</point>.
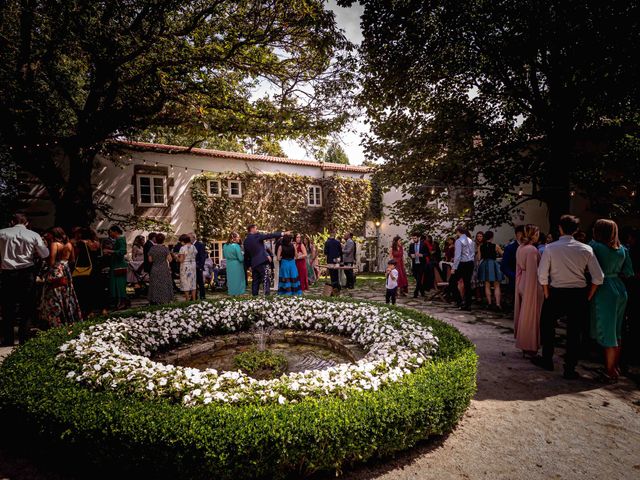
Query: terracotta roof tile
<point>206,152</point>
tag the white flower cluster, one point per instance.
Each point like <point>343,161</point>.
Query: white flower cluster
<point>116,354</point>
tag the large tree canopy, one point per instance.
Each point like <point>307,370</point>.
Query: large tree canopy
<point>74,74</point>
<point>483,96</point>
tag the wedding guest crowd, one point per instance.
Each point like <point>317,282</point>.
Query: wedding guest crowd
<point>547,278</point>
<point>50,279</point>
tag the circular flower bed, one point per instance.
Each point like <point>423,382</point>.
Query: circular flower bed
<point>115,354</point>
<point>93,390</point>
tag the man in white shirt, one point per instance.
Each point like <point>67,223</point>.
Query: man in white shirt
<point>562,275</point>
<point>19,250</point>
<point>462,268</point>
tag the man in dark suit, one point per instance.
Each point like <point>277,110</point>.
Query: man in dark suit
<point>151,241</point>
<point>201,257</point>
<point>254,249</point>
<point>419,253</point>
<point>333,252</point>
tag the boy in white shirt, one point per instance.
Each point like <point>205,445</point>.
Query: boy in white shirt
<point>392,282</point>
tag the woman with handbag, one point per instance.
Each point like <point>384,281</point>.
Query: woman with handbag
<point>59,304</point>
<point>117,268</point>
<point>83,271</point>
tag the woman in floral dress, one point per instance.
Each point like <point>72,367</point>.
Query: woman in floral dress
<point>311,255</point>
<point>160,281</point>
<point>59,302</point>
<point>187,259</point>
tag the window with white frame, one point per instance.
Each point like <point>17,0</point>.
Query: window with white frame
<point>235,188</point>
<point>152,190</point>
<point>216,252</point>
<point>213,188</point>
<point>314,196</point>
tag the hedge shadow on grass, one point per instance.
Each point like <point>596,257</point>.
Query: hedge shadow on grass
<point>129,436</point>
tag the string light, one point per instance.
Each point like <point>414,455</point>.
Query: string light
<point>433,190</point>
<point>573,193</point>
<point>172,168</point>
<point>144,161</point>
<point>520,193</point>
<point>156,164</point>
<point>633,193</point>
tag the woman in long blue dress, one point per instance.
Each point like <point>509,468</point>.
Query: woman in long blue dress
<point>232,253</point>
<point>289,283</point>
<point>610,300</point>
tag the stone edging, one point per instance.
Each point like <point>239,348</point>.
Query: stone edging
<point>337,343</point>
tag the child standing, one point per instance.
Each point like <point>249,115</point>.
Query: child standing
<point>392,282</point>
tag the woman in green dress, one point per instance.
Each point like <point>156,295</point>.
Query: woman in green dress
<point>118,268</point>
<point>610,300</point>
<point>232,253</point>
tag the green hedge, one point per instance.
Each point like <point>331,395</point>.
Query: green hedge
<point>101,431</point>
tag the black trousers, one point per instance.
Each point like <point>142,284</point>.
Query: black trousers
<point>200,282</point>
<point>334,275</point>
<point>17,291</point>
<point>428,278</point>
<point>564,302</point>
<point>418,273</point>
<point>464,272</point>
<point>391,295</point>
<point>351,277</point>
<point>257,273</point>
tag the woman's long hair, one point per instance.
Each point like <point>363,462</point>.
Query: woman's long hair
<point>606,231</point>
<point>233,235</point>
<point>530,231</point>
<point>395,243</point>
<point>59,235</point>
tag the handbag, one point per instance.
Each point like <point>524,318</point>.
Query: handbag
<point>86,270</point>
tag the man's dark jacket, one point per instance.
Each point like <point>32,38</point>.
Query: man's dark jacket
<point>254,247</point>
<point>333,250</point>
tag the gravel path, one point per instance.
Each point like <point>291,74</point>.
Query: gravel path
<point>524,423</point>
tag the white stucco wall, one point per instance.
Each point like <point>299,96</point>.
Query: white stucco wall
<point>116,183</point>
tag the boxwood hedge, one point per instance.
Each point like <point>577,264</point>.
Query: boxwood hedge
<point>127,436</point>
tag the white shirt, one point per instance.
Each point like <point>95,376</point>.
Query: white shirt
<point>18,247</point>
<point>464,251</point>
<point>564,263</point>
<point>392,279</point>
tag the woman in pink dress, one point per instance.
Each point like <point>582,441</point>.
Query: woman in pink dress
<point>529,294</point>
<point>301,263</point>
<point>397,253</point>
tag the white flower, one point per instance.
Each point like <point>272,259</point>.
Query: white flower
<point>119,350</point>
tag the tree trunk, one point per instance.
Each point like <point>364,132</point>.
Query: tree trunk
<point>558,184</point>
<point>76,207</point>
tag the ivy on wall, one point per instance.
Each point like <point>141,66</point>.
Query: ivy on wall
<point>278,201</point>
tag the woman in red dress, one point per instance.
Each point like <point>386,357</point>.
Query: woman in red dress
<point>301,263</point>
<point>397,253</point>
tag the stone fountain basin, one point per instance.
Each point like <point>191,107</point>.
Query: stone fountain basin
<point>304,350</point>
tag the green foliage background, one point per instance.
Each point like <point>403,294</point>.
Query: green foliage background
<point>278,201</point>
